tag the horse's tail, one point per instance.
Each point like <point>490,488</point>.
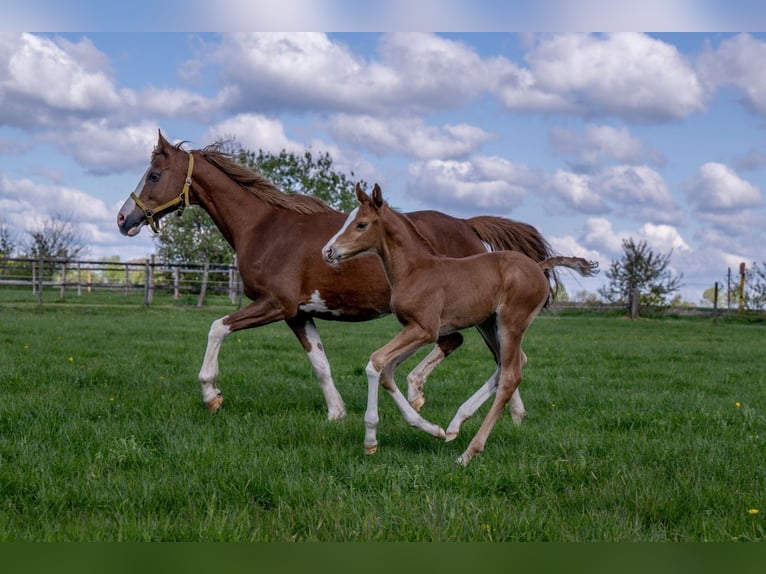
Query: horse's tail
<point>582,266</point>
<point>501,234</point>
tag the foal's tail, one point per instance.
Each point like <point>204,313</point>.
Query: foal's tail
<point>582,266</point>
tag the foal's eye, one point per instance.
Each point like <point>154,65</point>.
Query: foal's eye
<point>153,177</point>
<point>361,226</point>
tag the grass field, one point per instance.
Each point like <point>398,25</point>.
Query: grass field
<point>636,431</point>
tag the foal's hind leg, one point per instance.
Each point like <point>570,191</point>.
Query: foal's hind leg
<point>488,332</point>
<point>417,378</point>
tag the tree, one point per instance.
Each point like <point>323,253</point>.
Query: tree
<point>194,237</point>
<point>640,268</point>
<point>7,243</point>
<point>755,286</point>
<point>56,238</point>
<point>307,174</point>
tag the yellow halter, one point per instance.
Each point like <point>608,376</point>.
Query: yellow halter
<point>183,199</point>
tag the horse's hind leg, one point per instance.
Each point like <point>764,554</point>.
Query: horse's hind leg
<point>417,378</point>
<point>512,360</point>
<point>488,332</point>
<point>306,331</point>
<point>468,408</point>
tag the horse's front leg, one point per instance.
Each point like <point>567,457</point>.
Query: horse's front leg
<point>417,378</point>
<point>380,371</point>
<point>304,328</point>
<point>258,313</point>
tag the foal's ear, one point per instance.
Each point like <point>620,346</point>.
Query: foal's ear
<point>377,196</point>
<point>361,196</point>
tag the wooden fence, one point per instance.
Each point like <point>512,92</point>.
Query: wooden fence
<point>147,277</point>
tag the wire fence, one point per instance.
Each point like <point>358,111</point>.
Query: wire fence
<point>47,279</point>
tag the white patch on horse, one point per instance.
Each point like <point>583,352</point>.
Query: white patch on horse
<point>487,246</point>
<point>318,305</point>
<point>346,223</point>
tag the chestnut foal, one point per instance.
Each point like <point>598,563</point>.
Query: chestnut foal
<point>500,293</point>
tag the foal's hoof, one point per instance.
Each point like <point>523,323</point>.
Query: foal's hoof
<point>214,405</point>
<point>450,436</point>
<point>441,434</point>
<point>418,402</point>
<point>368,450</point>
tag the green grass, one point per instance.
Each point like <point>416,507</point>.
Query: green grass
<point>637,431</point>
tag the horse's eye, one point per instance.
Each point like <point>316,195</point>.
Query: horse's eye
<point>153,177</point>
<point>361,226</point>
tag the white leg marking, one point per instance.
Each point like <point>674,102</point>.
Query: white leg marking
<point>209,370</point>
<point>468,408</point>
<point>371,414</point>
<point>336,410</point>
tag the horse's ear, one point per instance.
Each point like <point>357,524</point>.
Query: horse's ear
<point>162,143</point>
<point>361,195</point>
<point>377,196</point>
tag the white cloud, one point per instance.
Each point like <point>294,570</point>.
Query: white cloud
<point>42,79</point>
<point>101,148</point>
<point>599,235</point>
<point>408,136</point>
<point>716,187</point>
<point>414,72</point>
<point>737,62</point>
<point>254,132</point>
<point>479,185</point>
<point>576,192</point>
<point>600,143</point>
<point>628,75</point>
<point>637,192</point>
<point>663,237</point>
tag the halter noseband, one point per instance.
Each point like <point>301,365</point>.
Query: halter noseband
<point>183,199</point>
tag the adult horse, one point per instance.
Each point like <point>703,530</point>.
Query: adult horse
<point>277,238</point>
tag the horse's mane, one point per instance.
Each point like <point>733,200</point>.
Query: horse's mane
<point>260,185</point>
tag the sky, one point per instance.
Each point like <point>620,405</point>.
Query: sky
<point>591,137</point>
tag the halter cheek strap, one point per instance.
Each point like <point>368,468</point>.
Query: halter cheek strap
<point>158,211</point>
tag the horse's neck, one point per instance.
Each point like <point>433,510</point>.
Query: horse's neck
<point>229,205</point>
<point>403,248</point>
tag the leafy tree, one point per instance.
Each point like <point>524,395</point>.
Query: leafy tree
<point>307,173</point>
<point>643,269</point>
<point>193,238</point>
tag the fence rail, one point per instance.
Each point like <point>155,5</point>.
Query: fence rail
<point>149,277</point>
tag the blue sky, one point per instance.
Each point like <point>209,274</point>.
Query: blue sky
<point>592,138</point>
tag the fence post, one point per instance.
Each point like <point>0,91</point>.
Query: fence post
<point>79,279</point>
<point>203,289</point>
<point>62,290</point>
<point>741,286</point>
<point>40,276</point>
<point>176,282</point>
<point>715,304</point>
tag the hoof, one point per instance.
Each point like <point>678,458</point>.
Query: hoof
<point>518,418</point>
<point>418,402</point>
<point>450,436</point>
<point>463,460</point>
<point>214,405</point>
<point>368,450</point>
<point>441,434</point>
<point>336,416</point>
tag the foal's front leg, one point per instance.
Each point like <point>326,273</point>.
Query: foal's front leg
<point>380,371</point>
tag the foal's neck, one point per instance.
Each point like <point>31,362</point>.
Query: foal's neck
<point>403,248</point>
